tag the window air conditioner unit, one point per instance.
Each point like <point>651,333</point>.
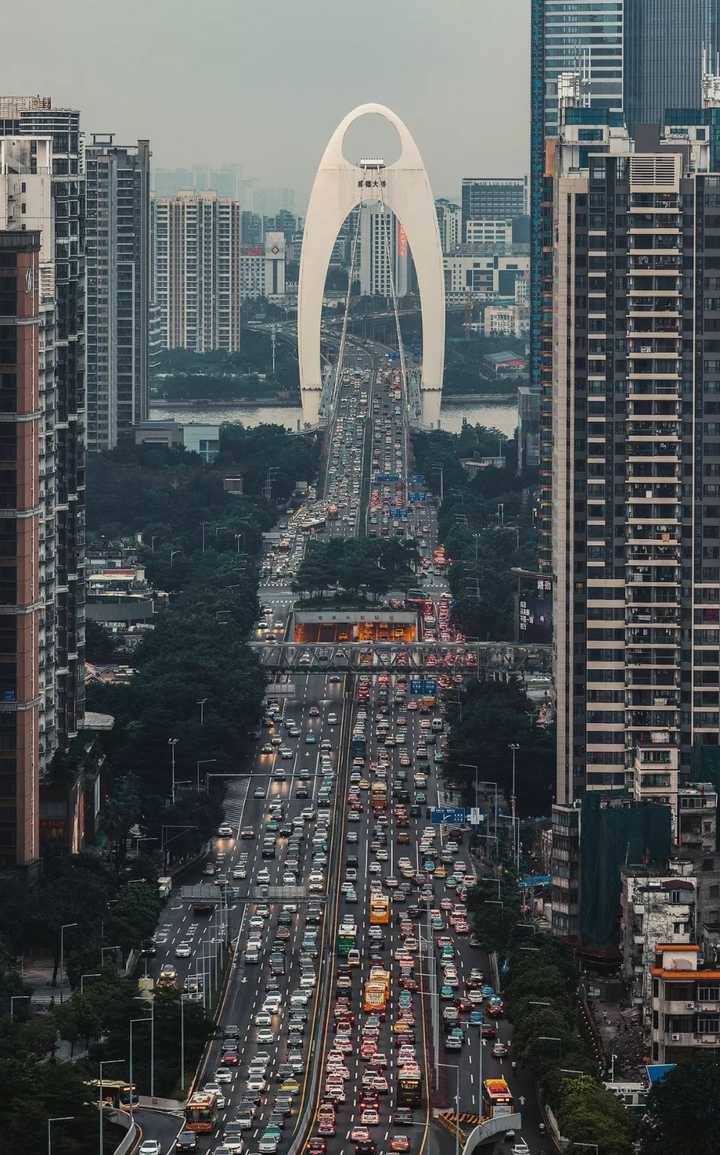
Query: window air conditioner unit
<point>709,1038</point>
<point>675,1038</point>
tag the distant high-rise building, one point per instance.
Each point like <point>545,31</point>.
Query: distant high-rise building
<point>665,41</point>
<point>196,249</point>
<point>117,246</point>
<point>635,466</point>
<point>492,198</point>
<point>262,268</point>
<point>41,670</point>
<point>449,217</point>
<point>383,253</point>
<point>251,227</point>
<point>225,181</point>
<point>637,57</point>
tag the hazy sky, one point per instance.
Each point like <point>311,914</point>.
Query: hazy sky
<point>264,82</point>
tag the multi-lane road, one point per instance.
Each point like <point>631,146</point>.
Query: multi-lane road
<point>337,881</point>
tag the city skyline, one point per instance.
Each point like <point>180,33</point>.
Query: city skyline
<point>293,87</point>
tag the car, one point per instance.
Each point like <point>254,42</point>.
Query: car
<point>499,1050</point>
<point>149,1147</point>
<point>520,1147</point>
<point>268,1143</point>
<point>399,1143</point>
<point>183,950</point>
<point>249,831</point>
<point>225,830</point>
<point>370,1117</point>
<point>186,1141</point>
<point>217,1091</point>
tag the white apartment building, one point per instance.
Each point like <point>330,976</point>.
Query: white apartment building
<point>485,271</point>
<point>488,231</point>
<point>506,321</point>
<point>196,258</point>
<point>262,268</point>
<point>383,251</point>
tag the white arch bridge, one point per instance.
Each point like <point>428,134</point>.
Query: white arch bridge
<point>403,187</point>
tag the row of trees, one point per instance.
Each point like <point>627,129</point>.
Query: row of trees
<point>99,906</point>
<point>371,565</point>
<point>486,718</point>
<point>229,376</point>
<point>485,523</point>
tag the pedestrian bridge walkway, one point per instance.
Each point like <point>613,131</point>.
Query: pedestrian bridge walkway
<point>437,658</point>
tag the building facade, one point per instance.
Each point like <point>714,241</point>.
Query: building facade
<point>449,217</point>
<point>117,253</point>
<point>61,490</point>
<point>485,271</point>
<point>492,198</point>
<point>685,1004</point>
<point>506,321</point>
<point>383,253</point>
<point>664,44</point>
<point>262,268</point>
<point>636,461</point>
<point>196,250</point>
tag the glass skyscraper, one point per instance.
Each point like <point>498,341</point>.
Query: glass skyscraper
<point>664,42</point>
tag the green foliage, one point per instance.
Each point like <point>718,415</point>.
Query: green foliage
<point>356,564</point>
<point>684,1111</point>
<point>227,376</point>
<point>485,523</point>
<point>34,1092</point>
<point>588,1113</point>
<point>100,646</point>
<point>485,720</point>
<point>82,889</point>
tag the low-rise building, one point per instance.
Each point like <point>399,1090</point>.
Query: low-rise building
<point>697,817</point>
<point>195,437</point>
<point>506,321</point>
<point>685,1004</point>
<point>655,907</point>
<point>505,364</point>
<point>486,272</point>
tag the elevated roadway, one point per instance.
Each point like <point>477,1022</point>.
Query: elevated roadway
<point>489,658</point>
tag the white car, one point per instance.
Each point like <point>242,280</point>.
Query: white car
<point>263,1019</point>
<point>149,1147</point>
<point>256,1084</point>
<point>265,1036</point>
<point>225,830</point>
<point>223,1075</point>
<point>183,950</point>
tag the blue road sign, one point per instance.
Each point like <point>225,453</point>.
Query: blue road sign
<point>452,816</point>
<point>423,686</point>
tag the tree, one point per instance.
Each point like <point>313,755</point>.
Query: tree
<point>684,1111</point>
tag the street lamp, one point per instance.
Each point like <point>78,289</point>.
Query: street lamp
<point>172,743</point>
<point>65,926</point>
<point>55,1119</point>
<point>143,1020</point>
<point>456,1068</point>
<point>495,882</point>
<point>514,747</point>
<point>182,1041</point>
<point>88,975</point>
<point>198,764</point>
<point>104,1063</point>
<point>173,552</point>
<point>201,703</point>
<point>12,1000</point>
<point>104,948</point>
<point>142,999</point>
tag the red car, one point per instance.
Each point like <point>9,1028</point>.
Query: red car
<point>399,1143</point>
<point>326,1125</point>
<point>316,1146</point>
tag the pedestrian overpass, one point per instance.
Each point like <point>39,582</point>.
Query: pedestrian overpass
<point>496,660</point>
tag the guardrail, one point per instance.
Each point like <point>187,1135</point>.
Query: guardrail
<point>133,1132</point>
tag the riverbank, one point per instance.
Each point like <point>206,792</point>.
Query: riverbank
<point>294,403</point>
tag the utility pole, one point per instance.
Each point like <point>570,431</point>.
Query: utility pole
<point>172,743</point>
<point>514,747</point>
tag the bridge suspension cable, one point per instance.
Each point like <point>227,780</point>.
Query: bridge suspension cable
<point>343,331</point>
<point>387,218</point>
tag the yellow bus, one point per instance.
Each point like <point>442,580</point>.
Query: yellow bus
<point>379,910</point>
<point>201,1111</point>
<point>374,999</point>
<point>378,975</point>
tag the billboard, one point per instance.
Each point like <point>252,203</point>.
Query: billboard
<point>535,613</point>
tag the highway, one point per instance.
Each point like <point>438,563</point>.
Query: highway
<point>333,816</point>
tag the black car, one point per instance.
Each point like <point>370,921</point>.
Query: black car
<point>186,1141</point>
<point>148,947</point>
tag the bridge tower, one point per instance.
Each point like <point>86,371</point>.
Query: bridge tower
<point>404,188</point>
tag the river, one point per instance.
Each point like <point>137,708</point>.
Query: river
<point>490,413</point>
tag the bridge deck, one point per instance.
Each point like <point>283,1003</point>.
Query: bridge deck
<point>440,657</point>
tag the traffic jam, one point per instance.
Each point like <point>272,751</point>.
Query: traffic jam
<point>358,893</point>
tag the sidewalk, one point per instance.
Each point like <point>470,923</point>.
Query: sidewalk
<point>619,1029</point>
